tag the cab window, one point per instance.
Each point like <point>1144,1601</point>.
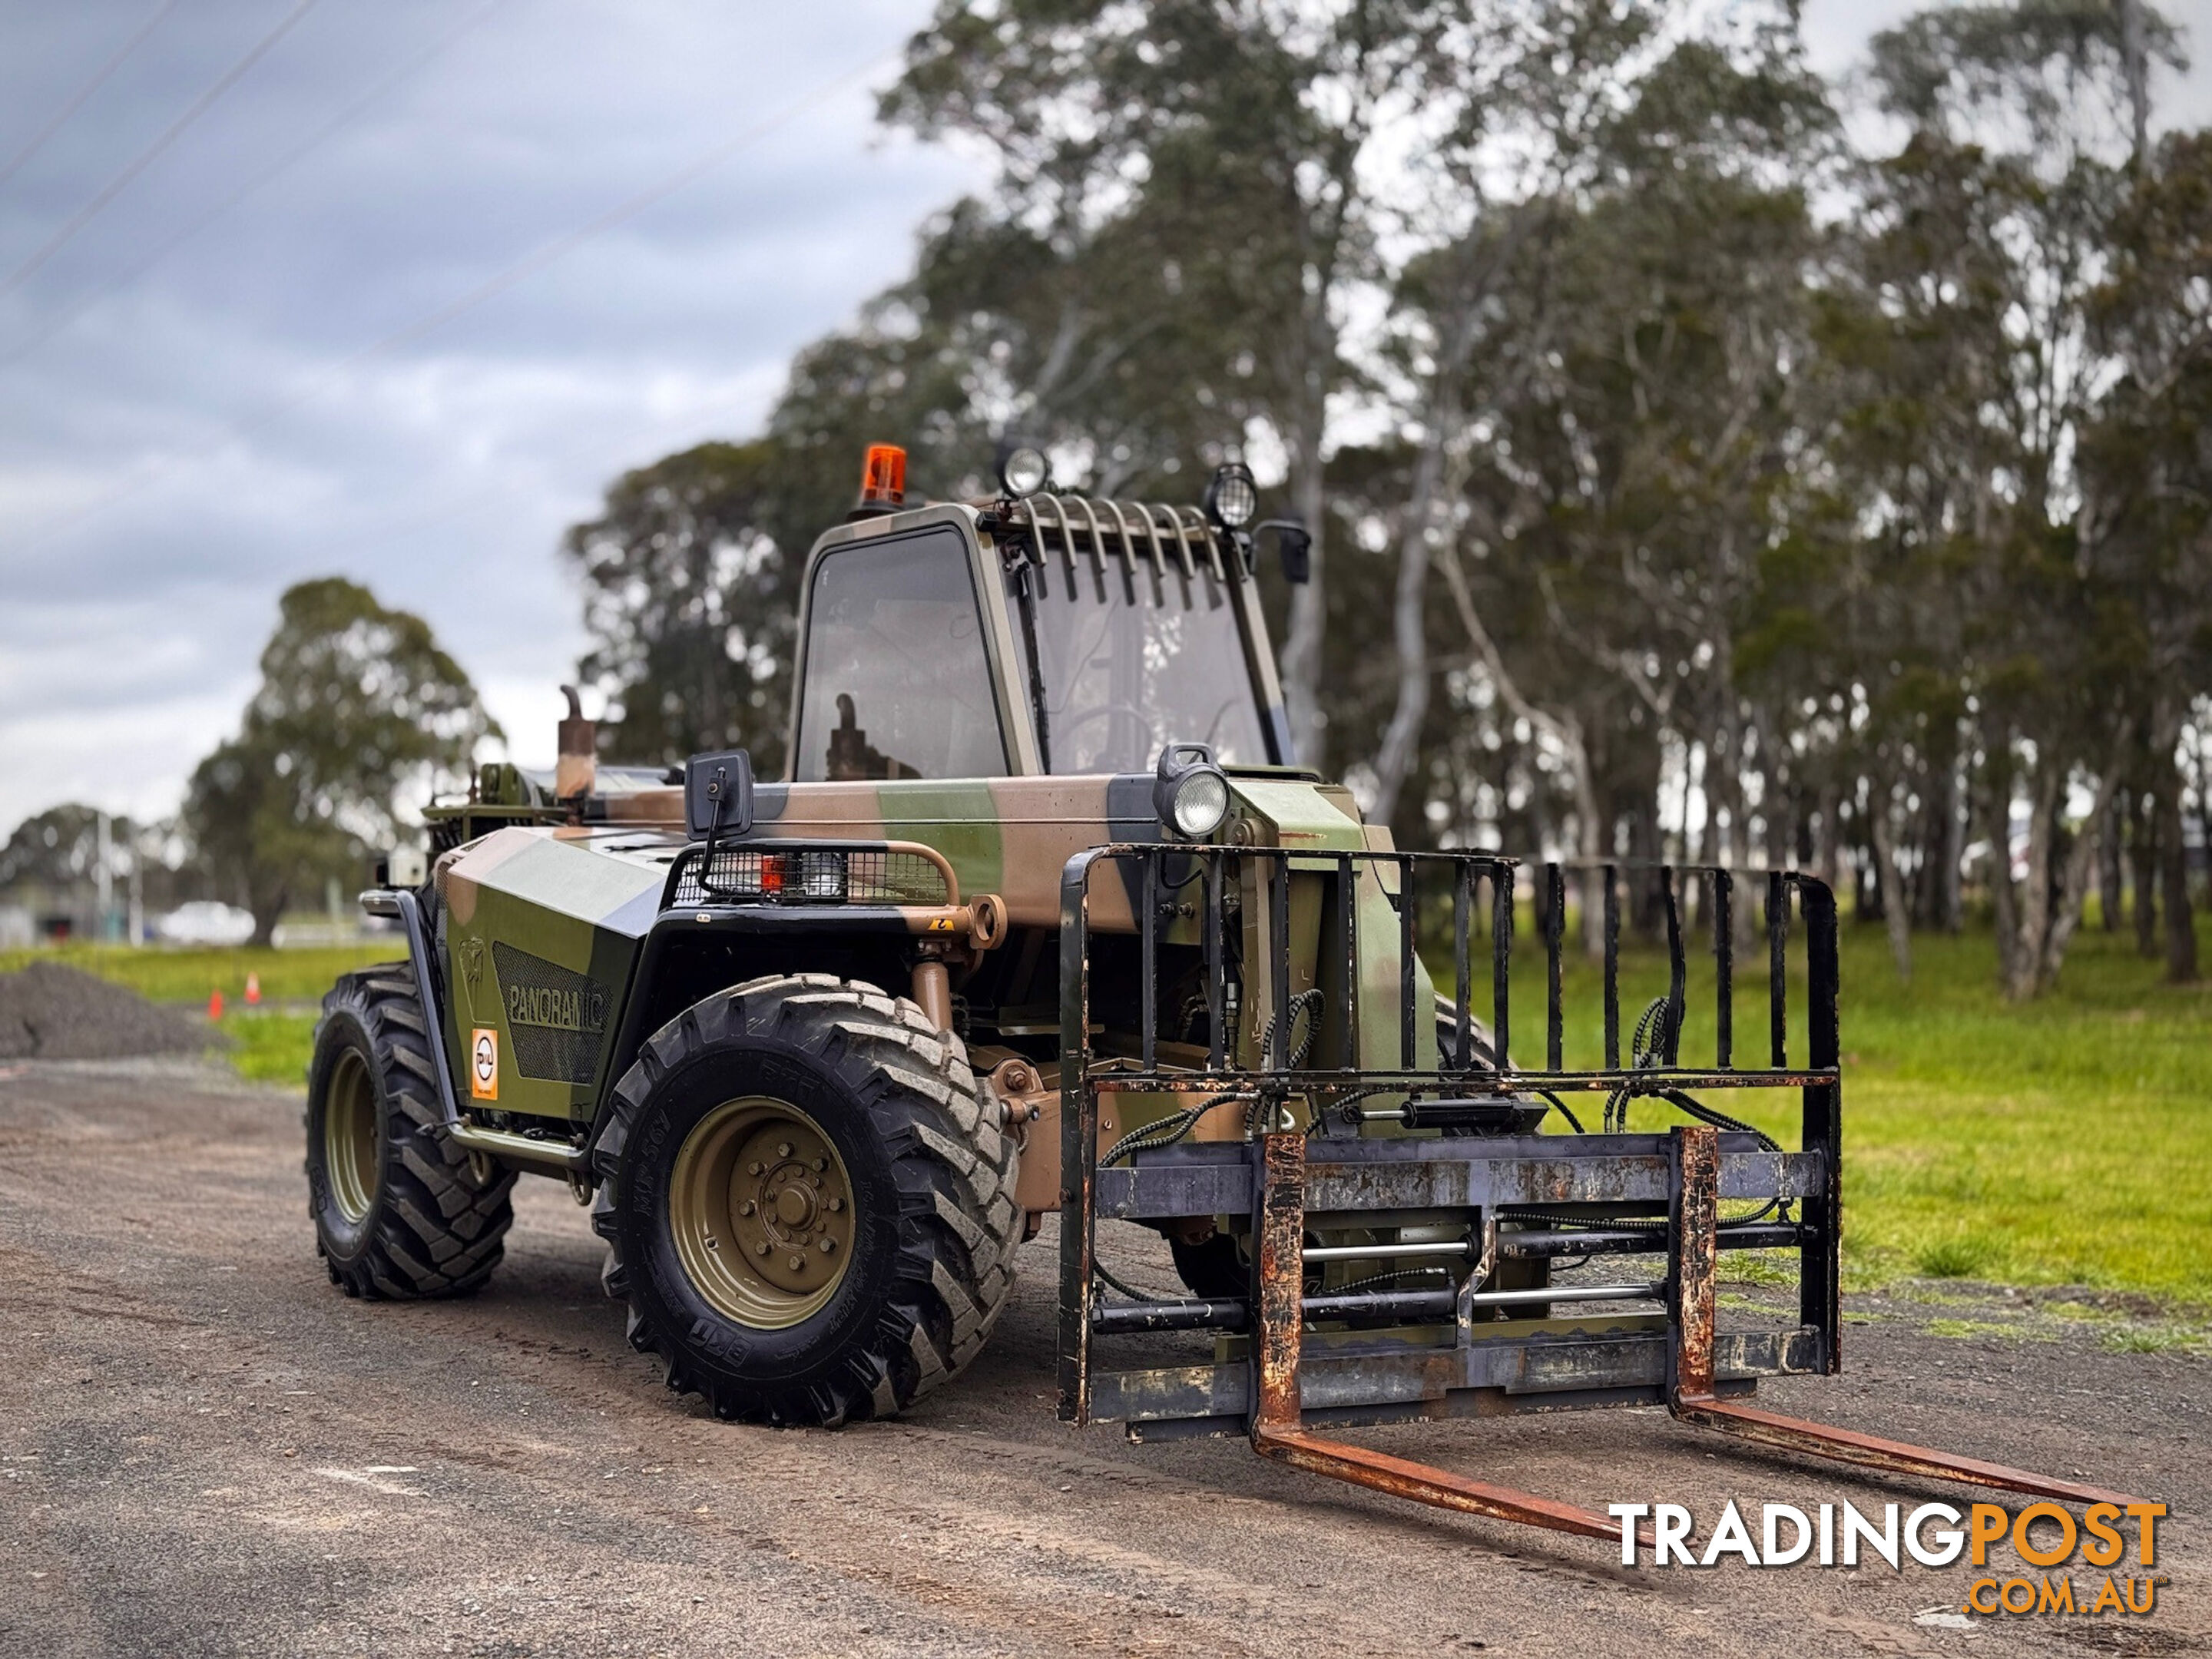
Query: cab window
<point>1135,656</point>
<point>897,684</point>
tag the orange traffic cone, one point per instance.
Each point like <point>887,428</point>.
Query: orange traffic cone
<point>214,1007</point>
<point>253,990</point>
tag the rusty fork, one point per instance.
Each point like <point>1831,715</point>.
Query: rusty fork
<point>1692,1396</point>
<point>1277,1429</point>
<point>1277,1432</point>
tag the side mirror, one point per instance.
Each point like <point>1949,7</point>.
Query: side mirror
<point>1295,542</point>
<point>718,794</point>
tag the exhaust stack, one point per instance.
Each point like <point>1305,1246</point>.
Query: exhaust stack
<point>576,771</point>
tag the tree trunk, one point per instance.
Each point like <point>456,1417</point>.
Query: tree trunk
<point>1302,647</point>
<point>1564,730</point>
<point>2173,871</point>
<point>2109,867</point>
<point>2051,904</point>
<point>1955,819</point>
<point>2135,67</point>
<point>1827,844</point>
<point>2143,858</point>
<point>2172,850</point>
<point>1895,907</point>
<point>1409,631</point>
<point>2036,918</point>
<point>267,906</point>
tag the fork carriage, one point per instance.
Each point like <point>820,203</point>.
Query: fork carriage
<point>1333,1149</point>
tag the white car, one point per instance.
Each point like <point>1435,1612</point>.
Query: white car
<point>205,922</point>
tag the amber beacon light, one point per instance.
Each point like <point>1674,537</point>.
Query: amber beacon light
<point>882,479</point>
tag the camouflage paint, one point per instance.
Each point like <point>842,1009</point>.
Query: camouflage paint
<point>544,925</point>
<point>542,933</point>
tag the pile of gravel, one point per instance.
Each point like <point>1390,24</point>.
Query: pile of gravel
<point>48,1011</point>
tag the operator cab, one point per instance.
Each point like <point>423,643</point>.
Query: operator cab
<point>1035,634</point>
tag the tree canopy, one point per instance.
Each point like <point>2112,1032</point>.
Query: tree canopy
<point>358,709</point>
<point>1725,488</point>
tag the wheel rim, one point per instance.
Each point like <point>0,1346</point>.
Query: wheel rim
<point>350,1136</point>
<point>760,1209</point>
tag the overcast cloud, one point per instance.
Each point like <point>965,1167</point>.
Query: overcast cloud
<point>176,448</point>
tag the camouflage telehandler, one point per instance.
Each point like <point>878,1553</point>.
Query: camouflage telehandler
<point>1046,918</point>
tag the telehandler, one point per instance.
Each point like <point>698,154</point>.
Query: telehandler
<point>1046,919</point>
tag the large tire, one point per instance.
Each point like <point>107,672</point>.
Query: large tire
<point>928,1252</point>
<point>399,1211</point>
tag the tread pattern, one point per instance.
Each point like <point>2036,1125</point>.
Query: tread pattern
<point>953,1166</point>
<point>433,1230</point>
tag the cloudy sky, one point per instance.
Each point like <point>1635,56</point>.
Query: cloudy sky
<point>374,302</point>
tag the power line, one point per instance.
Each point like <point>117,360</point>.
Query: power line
<point>98,79</point>
<point>114,187</point>
<point>411,67</point>
<point>529,265</point>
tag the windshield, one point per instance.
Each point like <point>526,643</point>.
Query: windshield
<point>898,685</point>
<point>1135,659</point>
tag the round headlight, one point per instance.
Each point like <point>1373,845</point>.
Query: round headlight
<point>1232,499</point>
<point>1201,801</point>
<point>1024,470</point>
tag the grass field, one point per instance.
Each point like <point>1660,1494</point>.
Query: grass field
<point>269,1043</point>
<point>2064,1142</point>
<point>2067,1142</point>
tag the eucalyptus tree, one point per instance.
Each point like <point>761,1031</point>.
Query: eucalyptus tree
<point>1256,126</point>
<point>2147,462</point>
<point>2021,121</point>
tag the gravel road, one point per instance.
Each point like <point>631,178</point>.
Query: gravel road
<point>206,1449</point>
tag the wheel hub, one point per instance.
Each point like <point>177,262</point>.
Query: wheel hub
<point>760,1209</point>
<point>351,1138</point>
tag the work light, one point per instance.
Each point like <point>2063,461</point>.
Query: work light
<point>1232,499</point>
<point>1189,794</point>
<point>822,875</point>
<point>1022,469</point>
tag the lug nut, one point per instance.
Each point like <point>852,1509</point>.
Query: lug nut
<point>754,1168</point>
<point>836,1203</point>
<point>797,1262</point>
<point>827,1245</point>
<point>820,1164</point>
<point>761,1249</point>
<point>783,1149</point>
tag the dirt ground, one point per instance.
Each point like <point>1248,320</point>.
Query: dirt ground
<point>206,1449</point>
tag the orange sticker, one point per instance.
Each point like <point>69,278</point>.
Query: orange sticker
<point>483,1064</point>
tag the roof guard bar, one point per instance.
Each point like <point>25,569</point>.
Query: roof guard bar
<point>1129,541</point>
<point>1182,542</point>
<point>1097,537</point>
<point>1197,521</point>
<point>1060,516</point>
<point>1185,524</point>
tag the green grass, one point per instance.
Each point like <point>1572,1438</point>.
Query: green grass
<point>2067,1141</point>
<point>270,1044</point>
<point>189,974</point>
